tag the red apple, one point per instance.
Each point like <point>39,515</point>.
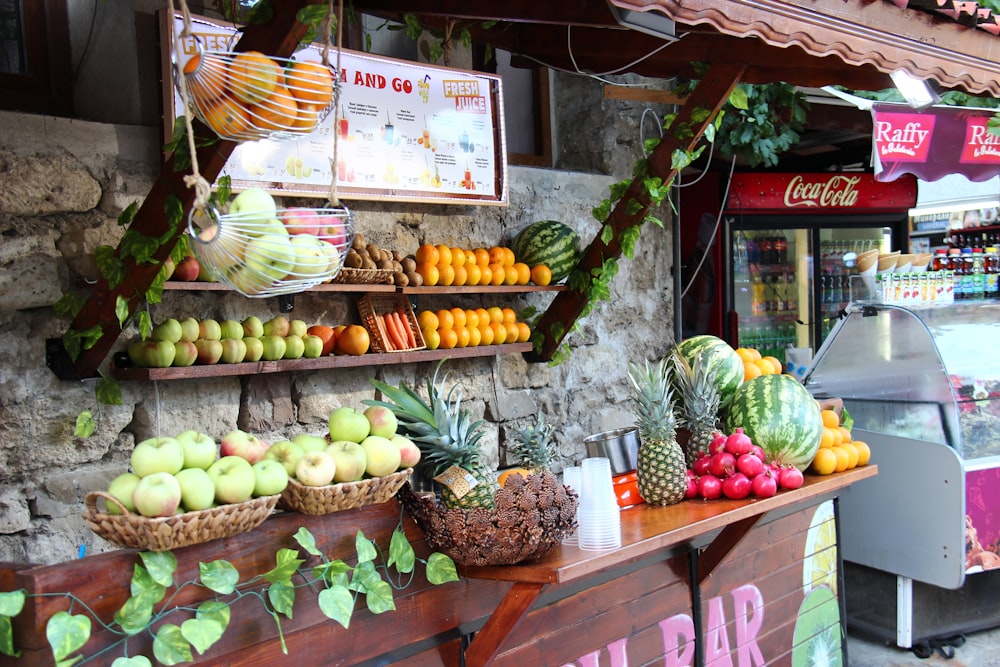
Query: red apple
<point>187,269</point>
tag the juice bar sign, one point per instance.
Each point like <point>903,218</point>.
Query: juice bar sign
<point>819,193</point>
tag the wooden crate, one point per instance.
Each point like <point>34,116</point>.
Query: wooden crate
<point>373,306</point>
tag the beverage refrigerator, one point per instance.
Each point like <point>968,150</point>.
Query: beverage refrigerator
<point>789,244</point>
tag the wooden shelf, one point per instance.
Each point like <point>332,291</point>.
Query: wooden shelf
<point>195,286</point>
<point>321,363</point>
<point>483,289</point>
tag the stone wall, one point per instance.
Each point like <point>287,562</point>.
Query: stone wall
<point>64,182</point>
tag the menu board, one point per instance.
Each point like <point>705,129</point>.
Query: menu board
<point>406,131</point>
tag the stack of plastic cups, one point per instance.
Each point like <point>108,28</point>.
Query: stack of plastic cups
<point>573,478</point>
<point>599,515</point>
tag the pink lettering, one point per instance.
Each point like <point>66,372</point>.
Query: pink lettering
<point>619,656</point>
<point>717,650</point>
<point>677,631</point>
<point>746,599</point>
<point>592,659</point>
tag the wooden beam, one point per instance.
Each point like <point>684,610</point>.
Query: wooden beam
<point>509,613</point>
<point>696,115</point>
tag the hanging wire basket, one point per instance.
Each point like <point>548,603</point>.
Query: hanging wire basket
<point>270,252</point>
<point>245,96</point>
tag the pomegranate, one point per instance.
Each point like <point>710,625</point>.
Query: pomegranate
<point>764,486</point>
<point>709,487</point>
<point>759,451</point>
<point>721,464</point>
<point>790,478</point>
<point>738,443</point>
<point>750,465</point>
<point>692,488</point>
<point>701,464</point>
<point>737,486</point>
<point>718,444</point>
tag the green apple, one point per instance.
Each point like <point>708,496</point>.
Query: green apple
<point>274,347</point>
<point>200,450</point>
<point>157,494</point>
<point>350,458</point>
<point>310,443</point>
<point>158,454</point>
<point>244,445</point>
<point>277,326</point>
<point>252,326</point>
<point>197,489</point>
<point>234,350</point>
<point>137,353</point>
<point>168,330</point>
<point>253,206</point>
<point>270,478</point>
<point>255,349</point>
<point>231,329</point>
<point>122,487</point>
<point>209,329</point>
<point>315,469</point>
<point>190,329</point>
<point>312,346</point>
<point>185,353</point>
<point>346,423</point>
<point>209,351</point>
<point>285,452</point>
<point>383,457</point>
<point>246,280</point>
<point>310,258</point>
<point>298,327</point>
<point>294,347</point>
<point>152,353</point>
<point>271,256</point>
<point>382,421</point>
<point>234,479</point>
<point>334,256</point>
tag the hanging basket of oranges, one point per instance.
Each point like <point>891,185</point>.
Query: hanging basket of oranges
<point>245,96</point>
<point>260,250</point>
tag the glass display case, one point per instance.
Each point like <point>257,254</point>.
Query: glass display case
<point>922,385</point>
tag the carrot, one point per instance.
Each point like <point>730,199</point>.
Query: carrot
<point>404,324</point>
<point>395,340</point>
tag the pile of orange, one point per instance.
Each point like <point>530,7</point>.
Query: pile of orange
<point>250,95</point>
<point>453,266</point>
<point>838,450</point>
<point>755,365</point>
<point>449,328</point>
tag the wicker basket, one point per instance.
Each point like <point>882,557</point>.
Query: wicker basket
<point>343,496</point>
<point>180,530</point>
<point>349,276</point>
<point>373,306</point>
<point>532,516</point>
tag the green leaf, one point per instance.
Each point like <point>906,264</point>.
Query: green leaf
<point>135,615</point>
<point>126,217</point>
<point>365,548</point>
<point>219,576</point>
<point>138,246</point>
<point>170,647</point>
<point>69,305</point>
<point>441,569</point>
<point>12,602</point>
<point>145,324</point>
<point>108,391</point>
<point>401,552</point>
<point>307,541</point>
<point>121,310</point>
<point>7,638</point>
<point>607,234</point>
<point>379,598</point>
<point>161,566</point>
<point>738,98</point>
<point>365,576</point>
<point>85,425</point>
<point>201,633</point>
<point>282,597</point>
<point>288,564</point>
<point>333,573</point>
<point>337,603</point>
<point>111,268</point>
<point>67,633</point>
<point>134,661</point>
<point>213,610</point>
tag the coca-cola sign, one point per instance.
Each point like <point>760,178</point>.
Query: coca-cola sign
<point>819,193</point>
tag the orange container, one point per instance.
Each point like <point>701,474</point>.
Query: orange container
<point>627,490</point>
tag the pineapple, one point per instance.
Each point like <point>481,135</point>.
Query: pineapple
<point>662,469</point>
<point>698,406</point>
<point>446,435</point>
<point>533,447</point>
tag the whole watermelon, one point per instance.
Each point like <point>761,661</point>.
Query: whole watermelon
<point>781,416</point>
<point>718,356</point>
<point>548,242</point>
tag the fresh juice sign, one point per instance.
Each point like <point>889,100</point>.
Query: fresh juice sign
<point>466,95</point>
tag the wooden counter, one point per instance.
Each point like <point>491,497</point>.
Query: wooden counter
<point>665,586</point>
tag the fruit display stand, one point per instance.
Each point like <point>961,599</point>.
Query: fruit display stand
<point>750,579</point>
<point>923,387</point>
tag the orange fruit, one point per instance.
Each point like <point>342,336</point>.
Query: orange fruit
<point>541,274</point>
<point>482,256</point>
<point>461,275</point>
<point>827,439</point>
<point>276,113</point>
<point>852,454</point>
<point>427,254</point>
<point>496,313</point>
<point>497,255</point>
<point>446,320</point>
<point>253,76</point>
<point>447,275</point>
<point>430,274</point>
<point>499,333</point>
<point>207,77</point>
<point>484,316</point>
<point>486,334</point>
<point>310,83</point>
<point>307,118</point>
<point>776,364</point>
<point>459,316</point>
<point>449,339</point>
<point>475,335</point>
<point>505,475</point>
<point>444,254</point>
<point>864,452</point>
<point>765,367</point>
<point>354,340</point>
<point>499,274</point>
<point>463,336</point>
<point>845,435</point>
<point>326,334</point>
<point>227,117</point>
<point>745,354</point>
<point>830,418</point>
<point>508,256</point>
<point>524,332</point>
<point>474,274</point>
<point>486,274</point>
<point>508,315</point>
<point>427,319</point>
<point>458,257</point>
<point>837,437</point>
<point>471,318</point>
<point>750,371</point>
<point>431,338</point>
<point>523,273</point>
<point>509,275</point>
<point>825,462</point>
<point>513,333</point>
<point>842,458</point>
